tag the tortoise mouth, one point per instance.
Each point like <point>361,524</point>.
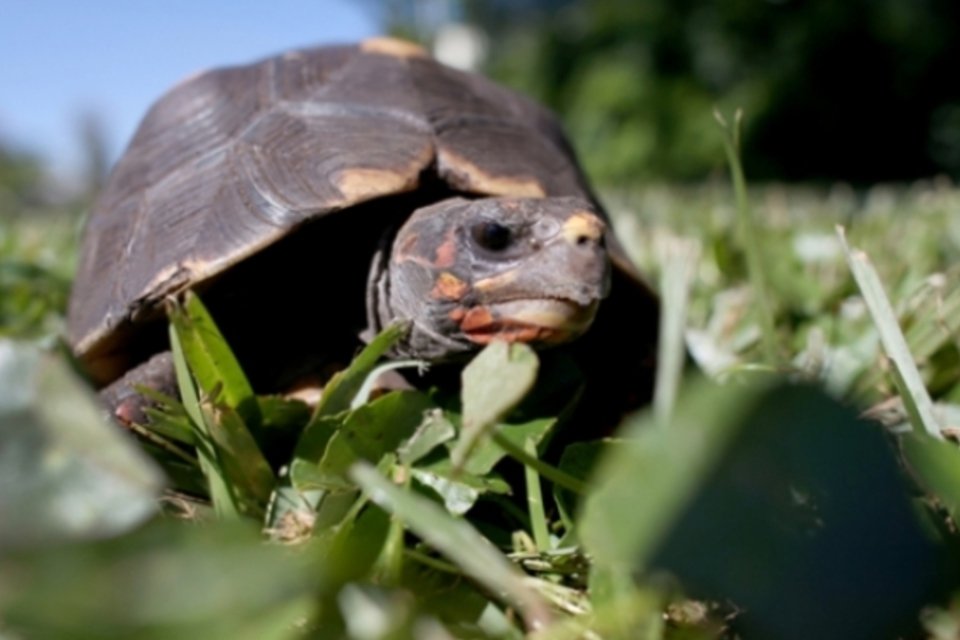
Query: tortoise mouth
<point>544,321</point>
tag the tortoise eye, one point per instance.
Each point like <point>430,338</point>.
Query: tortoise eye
<point>492,236</point>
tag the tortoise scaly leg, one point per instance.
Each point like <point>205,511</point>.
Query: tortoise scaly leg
<point>121,398</point>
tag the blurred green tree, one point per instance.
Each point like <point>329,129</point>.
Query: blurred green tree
<point>20,179</point>
<point>861,90</point>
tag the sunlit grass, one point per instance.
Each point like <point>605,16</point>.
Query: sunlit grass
<point>415,513</point>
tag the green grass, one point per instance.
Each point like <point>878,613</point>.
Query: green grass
<point>755,500</point>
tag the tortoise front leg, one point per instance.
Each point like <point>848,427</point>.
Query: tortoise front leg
<point>121,398</point>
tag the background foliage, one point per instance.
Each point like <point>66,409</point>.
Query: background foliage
<point>860,91</point>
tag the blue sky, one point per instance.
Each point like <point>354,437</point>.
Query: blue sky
<point>63,57</point>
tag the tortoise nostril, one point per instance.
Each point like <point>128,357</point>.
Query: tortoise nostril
<point>583,241</point>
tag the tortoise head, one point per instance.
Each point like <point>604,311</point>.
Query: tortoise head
<point>466,272</point>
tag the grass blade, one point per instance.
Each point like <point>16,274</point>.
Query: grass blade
<point>538,517</point>
<point>219,489</point>
<point>241,461</point>
<point>212,362</point>
<point>906,376</point>
<point>679,257</point>
<point>458,541</point>
<point>750,237</point>
<point>554,475</point>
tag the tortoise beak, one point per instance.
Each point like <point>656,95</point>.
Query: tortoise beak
<point>544,321</point>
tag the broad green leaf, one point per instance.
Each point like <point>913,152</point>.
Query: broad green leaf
<point>432,432</point>
<point>306,477</point>
<point>791,486</point>
<point>457,540</point>
<point>488,451</point>
<point>246,471</point>
<point>212,363</point>
<point>350,548</point>
<point>341,389</point>
<point>65,472</point>
<point>316,436</point>
<point>367,433</point>
<point>459,491</point>
<point>659,471</point>
<point>373,430</point>
<point>281,414</point>
<point>494,382</point>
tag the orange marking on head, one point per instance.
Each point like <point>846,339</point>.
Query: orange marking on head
<point>456,314</point>
<point>446,252</point>
<point>404,252</point>
<point>476,318</point>
<point>406,246</point>
<point>449,287</point>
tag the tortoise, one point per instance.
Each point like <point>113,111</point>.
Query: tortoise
<point>325,192</point>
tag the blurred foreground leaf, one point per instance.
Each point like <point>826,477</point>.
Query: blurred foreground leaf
<point>65,472</point>
<point>777,498</point>
<point>457,540</point>
<point>494,382</point>
<point>936,464</point>
<point>169,580</point>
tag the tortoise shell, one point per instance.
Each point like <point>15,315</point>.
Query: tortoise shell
<point>231,161</point>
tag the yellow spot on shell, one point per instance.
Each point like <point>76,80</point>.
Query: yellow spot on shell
<point>385,45</point>
<point>358,185</point>
<point>465,175</point>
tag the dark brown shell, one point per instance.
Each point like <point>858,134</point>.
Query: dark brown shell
<point>232,160</point>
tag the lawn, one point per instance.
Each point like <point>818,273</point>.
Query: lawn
<point>795,477</point>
